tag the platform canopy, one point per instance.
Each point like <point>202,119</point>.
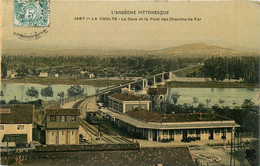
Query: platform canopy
<point>141,123</point>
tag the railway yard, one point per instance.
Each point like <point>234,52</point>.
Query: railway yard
<point>96,133</point>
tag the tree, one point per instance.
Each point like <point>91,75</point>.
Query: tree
<point>14,101</point>
<point>250,116</point>
<point>3,70</point>
<point>208,101</point>
<point>22,71</point>
<point>47,92</point>
<point>220,101</point>
<point>175,96</point>
<point>32,92</point>
<point>195,100</point>
<point>61,95</point>
<point>75,90</point>
<point>1,93</point>
<point>2,102</point>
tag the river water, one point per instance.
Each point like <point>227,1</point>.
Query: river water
<point>228,95</point>
<point>18,91</point>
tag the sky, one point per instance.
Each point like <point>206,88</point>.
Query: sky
<point>227,24</point>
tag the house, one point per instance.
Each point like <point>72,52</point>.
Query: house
<point>153,126</point>
<point>83,72</point>
<point>124,102</point>
<point>56,75</point>
<point>16,124</point>
<point>159,92</point>
<point>157,95</point>
<point>43,74</point>
<point>11,74</point>
<point>62,126</point>
<point>91,75</point>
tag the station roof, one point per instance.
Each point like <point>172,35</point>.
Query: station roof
<point>17,114</point>
<point>141,123</point>
<point>151,116</point>
<point>126,97</point>
<point>60,111</point>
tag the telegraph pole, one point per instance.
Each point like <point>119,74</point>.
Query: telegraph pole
<point>231,146</point>
<point>234,147</point>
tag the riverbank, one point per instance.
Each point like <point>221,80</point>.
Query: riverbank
<point>64,81</point>
<point>175,84</point>
<point>104,82</point>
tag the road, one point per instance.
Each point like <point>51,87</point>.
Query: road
<point>213,156</point>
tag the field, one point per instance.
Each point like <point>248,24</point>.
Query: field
<point>66,81</point>
<point>210,85</point>
<point>184,72</point>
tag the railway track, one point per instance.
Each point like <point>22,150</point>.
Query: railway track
<point>89,132</point>
<point>88,127</point>
<point>107,135</point>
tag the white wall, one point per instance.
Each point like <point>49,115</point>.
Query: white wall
<point>51,136</point>
<point>12,129</point>
<point>56,137</point>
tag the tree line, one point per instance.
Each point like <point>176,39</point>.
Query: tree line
<point>130,65</point>
<point>244,68</point>
<point>73,91</point>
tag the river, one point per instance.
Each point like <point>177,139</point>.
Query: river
<point>228,95</point>
<point>18,91</point>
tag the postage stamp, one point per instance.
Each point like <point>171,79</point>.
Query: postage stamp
<point>31,13</point>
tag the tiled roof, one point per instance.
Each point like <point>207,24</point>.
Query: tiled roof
<point>126,97</point>
<point>175,156</point>
<point>59,111</point>
<point>151,116</point>
<point>157,91</point>
<point>137,122</point>
<point>19,114</point>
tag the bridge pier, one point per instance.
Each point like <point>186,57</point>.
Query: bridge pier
<point>163,82</point>
<point>170,75</point>
<point>163,77</point>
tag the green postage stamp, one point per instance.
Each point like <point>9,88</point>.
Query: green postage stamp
<point>31,13</point>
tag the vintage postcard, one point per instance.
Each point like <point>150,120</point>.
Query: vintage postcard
<point>129,83</point>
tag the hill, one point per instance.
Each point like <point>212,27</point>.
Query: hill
<point>188,50</point>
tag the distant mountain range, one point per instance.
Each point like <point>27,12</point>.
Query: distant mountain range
<point>186,50</point>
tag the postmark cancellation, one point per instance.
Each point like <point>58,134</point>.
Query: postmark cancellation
<point>31,13</point>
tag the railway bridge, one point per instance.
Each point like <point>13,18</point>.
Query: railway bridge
<point>139,86</point>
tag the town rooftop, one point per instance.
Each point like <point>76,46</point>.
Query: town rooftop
<point>126,97</point>
<point>151,116</point>
<point>17,114</point>
<point>59,111</point>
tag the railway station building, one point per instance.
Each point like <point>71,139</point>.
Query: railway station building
<point>185,127</point>
<point>62,126</point>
